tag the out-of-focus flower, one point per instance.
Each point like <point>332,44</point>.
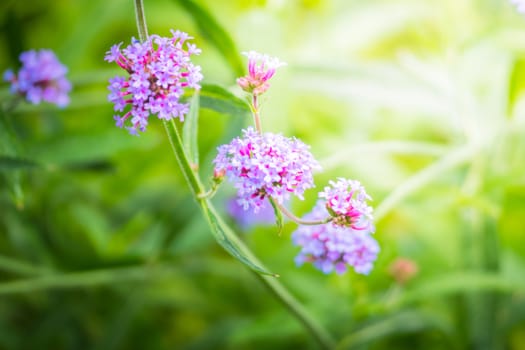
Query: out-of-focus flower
<point>246,219</point>
<point>267,165</point>
<point>519,4</point>
<point>41,78</point>
<point>403,270</point>
<point>260,69</point>
<point>334,248</point>
<point>159,70</point>
<point>346,203</point>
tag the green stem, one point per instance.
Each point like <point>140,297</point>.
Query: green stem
<point>298,220</point>
<point>140,16</point>
<point>278,290</point>
<point>256,115</point>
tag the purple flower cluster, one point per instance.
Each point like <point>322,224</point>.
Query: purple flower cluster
<point>159,70</point>
<point>266,165</point>
<point>41,78</point>
<point>330,247</point>
<point>346,203</point>
<point>260,69</point>
<point>246,219</point>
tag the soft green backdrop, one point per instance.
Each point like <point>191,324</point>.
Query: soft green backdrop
<point>102,247</point>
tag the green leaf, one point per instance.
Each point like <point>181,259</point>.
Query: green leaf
<point>220,100</point>
<point>516,85</point>
<point>212,31</point>
<point>80,150</point>
<point>226,238</point>
<point>278,215</point>
<point>190,130</point>
<point>462,282</point>
<point>403,322</point>
<point>16,163</point>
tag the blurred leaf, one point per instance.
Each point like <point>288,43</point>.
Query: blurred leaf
<point>223,234</point>
<point>15,163</point>
<point>84,148</point>
<point>192,238</point>
<point>15,38</point>
<point>395,324</point>
<point>10,148</point>
<point>219,99</point>
<point>90,166</point>
<point>516,83</point>
<point>190,130</point>
<point>94,18</point>
<point>461,282</point>
<point>25,239</point>
<point>94,225</point>
<point>211,30</point>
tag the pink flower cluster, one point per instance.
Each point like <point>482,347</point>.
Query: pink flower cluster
<point>159,70</point>
<point>334,248</point>
<point>346,201</point>
<point>260,69</point>
<point>266,165</point>
<point>41,78</point>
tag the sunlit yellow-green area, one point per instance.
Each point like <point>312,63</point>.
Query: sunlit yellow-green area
<point>102,245</point>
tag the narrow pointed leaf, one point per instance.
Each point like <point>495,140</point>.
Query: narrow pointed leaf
<point>212,31</point>
<point>222,101</point>
<point>227,239</point>
<point>190,130</point>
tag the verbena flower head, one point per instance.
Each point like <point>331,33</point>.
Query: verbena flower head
<point>41,78</point>
<point>346,203</point>
<point>246,219</point>
<point>519,4</point>
<point>266,165</point>
<point>334,248</point>
<point>159,70</point>
<point>260,69</point>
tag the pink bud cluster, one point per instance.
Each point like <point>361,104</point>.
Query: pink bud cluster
<point>346,201</point>
<point>260,69</point>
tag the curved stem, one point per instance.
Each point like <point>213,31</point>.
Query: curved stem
<point>281,293</point>
<point>319,333</point>
<point>298,220</point>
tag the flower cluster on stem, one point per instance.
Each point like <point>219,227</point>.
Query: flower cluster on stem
<point>266,165</point>
<point>159,70</point>
<point>333,248</point>
<point>337,233</point>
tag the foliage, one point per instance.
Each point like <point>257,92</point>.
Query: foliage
<point>102,245</point>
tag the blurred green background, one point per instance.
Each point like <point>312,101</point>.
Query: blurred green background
<point>102,246</point>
